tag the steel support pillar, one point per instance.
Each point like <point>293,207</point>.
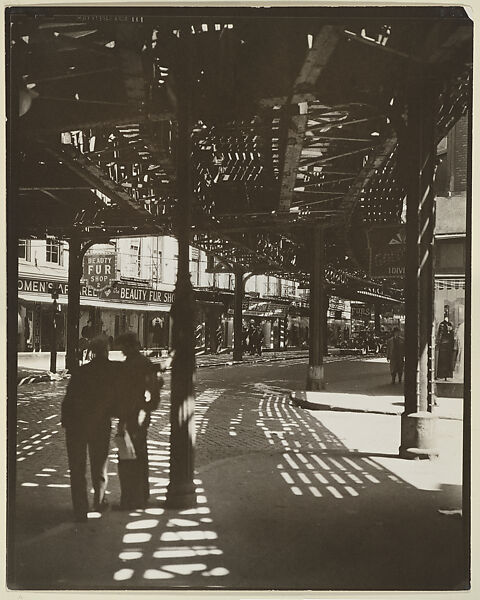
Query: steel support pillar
<point>418,154</point>
<point>181,488</point>
<point>377,309</point>
<point>325,303</point>
<point>238,315</point>
<point>53,340</point>
<point>315,378</point>
<point>75,257</point>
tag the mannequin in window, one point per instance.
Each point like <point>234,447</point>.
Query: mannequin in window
<point>445,344</point>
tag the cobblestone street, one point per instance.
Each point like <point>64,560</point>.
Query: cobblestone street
<point>284,500</point>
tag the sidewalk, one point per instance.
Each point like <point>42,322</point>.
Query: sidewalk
<point>288,498</point>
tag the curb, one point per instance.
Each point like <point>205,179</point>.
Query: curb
<point>228,363</point>
<point>300,400</point>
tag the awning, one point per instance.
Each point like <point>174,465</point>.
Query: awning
<point>45,298</point>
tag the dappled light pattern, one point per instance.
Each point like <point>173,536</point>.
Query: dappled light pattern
<point>307,465</point>
<point>170,548</point>
<point>39,433</point>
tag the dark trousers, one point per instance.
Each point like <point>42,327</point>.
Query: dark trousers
<point>97,443</point>
<point>133,474</point>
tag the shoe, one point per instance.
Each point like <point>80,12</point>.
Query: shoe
<point>81,518</point>
<point>103,507</point>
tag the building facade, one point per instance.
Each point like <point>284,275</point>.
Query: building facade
<point>128,285</point>
<point>450,238</point>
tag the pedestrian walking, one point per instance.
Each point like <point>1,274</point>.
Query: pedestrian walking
<point>139,394</point>
<point>258,338</point>
<point>86,411</point>
<point>396,355</point>
<point>87,334</point>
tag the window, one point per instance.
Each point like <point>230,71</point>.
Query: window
<point>157,266</point>
<point>450,256</point>
<point>25,249</point>
<point>195,265</point>
<point>53,251</point>
<point>139,259</point>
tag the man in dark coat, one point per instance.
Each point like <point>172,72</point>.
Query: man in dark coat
<point>396,355</point>
<point>139,395</point>
<point>86,411</point>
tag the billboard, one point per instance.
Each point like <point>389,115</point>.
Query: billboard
<point>387,251</point>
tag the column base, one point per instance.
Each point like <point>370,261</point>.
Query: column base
<point>418,436</point>
<point>315,378</point>
<point>181,496</point>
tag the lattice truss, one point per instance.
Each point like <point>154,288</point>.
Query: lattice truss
<point>294,126</point>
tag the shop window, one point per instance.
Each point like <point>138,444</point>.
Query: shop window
<point>450,257</point>
<point>54,251</point>
<point>25,249</point>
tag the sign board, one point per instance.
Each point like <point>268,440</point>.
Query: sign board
<point>360,312</point>
<point>99,270</point>
<point>120,292</point>
<point>387,251</point>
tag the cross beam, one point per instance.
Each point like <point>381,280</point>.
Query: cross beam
<point>315,61</point>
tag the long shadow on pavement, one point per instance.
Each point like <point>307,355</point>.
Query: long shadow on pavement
<point>283,504</point>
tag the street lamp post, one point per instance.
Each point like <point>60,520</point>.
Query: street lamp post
<point>53,350</point>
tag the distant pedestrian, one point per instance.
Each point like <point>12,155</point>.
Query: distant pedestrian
<point>86,411</point>
<point>87,334</point>
<point>244,338</point>
<point>396,355</point>
<point>258,338</point>
<point>139,394</point>
<point>251,338</point>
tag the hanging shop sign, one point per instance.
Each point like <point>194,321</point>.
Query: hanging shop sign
<point>360,312</point>
<point>387,249</point>
<point>99,270</point>
<point>121,292</point>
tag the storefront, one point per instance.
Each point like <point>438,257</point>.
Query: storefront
<point>338,321</point>
<point>213,321</point>
<point>123,307</point>
<point>361,319</point>
<point>297,323</point>
<point>272,317</point>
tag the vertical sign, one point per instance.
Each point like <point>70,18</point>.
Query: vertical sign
<point>99,270</point>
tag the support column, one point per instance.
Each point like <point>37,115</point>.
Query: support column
<point>75,257</point>
<point>238,315</point>
<point>418,439</point>
<point>325,303</point>
<point>181,489</point>
<point>377,309</point>
<point>53,341</point>
<point>316,379</point>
